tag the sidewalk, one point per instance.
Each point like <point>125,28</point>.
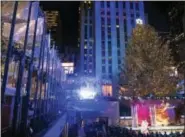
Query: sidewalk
<point>56,129</point>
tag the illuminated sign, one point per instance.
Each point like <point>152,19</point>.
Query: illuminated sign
<point>68,67</point>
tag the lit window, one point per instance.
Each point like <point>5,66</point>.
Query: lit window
<point>107,90</point>
<point>117,26</point>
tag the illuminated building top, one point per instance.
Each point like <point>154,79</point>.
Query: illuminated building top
<point>52,18</point>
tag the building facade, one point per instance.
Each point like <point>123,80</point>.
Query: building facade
<point>54,26</point>
<point>104,32</point>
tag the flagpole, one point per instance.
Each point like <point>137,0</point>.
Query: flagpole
<point>38,74</point>
<point>20,77</point>
<point>28,85</point>
<point>9,52</point>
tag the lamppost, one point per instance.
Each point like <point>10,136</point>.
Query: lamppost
<point>29,82</point>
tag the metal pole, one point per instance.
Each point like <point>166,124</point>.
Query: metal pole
<point>28,85</point>
<point>8,55</point>
<point>184,43</point>
<point>52,81</point>
<point>38,73</point>
<point>20,76</point>
<point>41,80</point>
<point>46,81</point>
<point>48,88</point>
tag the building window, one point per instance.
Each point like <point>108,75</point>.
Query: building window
<point>90,52</point>
<point>103,35</point>
<point>102,12</point>
<point>85,28</point>
<point>110,69</point>
<point>85,21</point>
<point>103,69</point>
<point>108,21</point>
<point>90,66</point>
<point>117,14</point>
<point>85,46</point>
<point>108,4</point>
<point>103,42</point>
<point>110,52</point>
<point>131,5</point>
<point>117,32</point>
<point>103,53</point>
<point>126,38</point>
<point>103,45</point>
<point>86,13</point>
<point>125,25</point>
<point>109,43</point>
<point>126,45</point>
<point>90,13</point>
<point>107,90</point>
<point>90,31</point>
<point>116,4</point>
<point>90,21</point>
<point>102,20</point>
<point>118,52</point>
<point>119,61</point>
<point>110,61</point>
<point>109,49</point>
<point>90,59</point>
<point>108,13</point>
<point>132,15</point>
<point>137,15</point>
<point>124,4</point>
<point>102,4</point>
<point>85,67</point>
<point>103,61</point>
<point>109,36</point>
<point>118,43</point>
<point>85,51</point>
<point>117,21</point>
<point>124,14</point>
<point>137,6</point>
<point>132,22</point>
<point>109,30</point>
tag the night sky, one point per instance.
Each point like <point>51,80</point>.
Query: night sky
<point>157,17</point>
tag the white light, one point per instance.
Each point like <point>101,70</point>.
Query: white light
<point>117,26</point>
<point>139,21</point>
<point>86,93</point>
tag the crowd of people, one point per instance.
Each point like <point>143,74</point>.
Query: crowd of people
<point>99,129</point>
<point>124,132</point>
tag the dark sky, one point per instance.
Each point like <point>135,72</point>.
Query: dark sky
<point>157,17</point>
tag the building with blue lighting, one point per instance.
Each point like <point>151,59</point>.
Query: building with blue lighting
<point>105,27</point>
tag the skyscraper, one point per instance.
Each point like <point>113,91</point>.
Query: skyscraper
<point>54,25</point>
<point>105,29</point>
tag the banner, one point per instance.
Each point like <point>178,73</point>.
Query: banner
<point>143,113</point>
